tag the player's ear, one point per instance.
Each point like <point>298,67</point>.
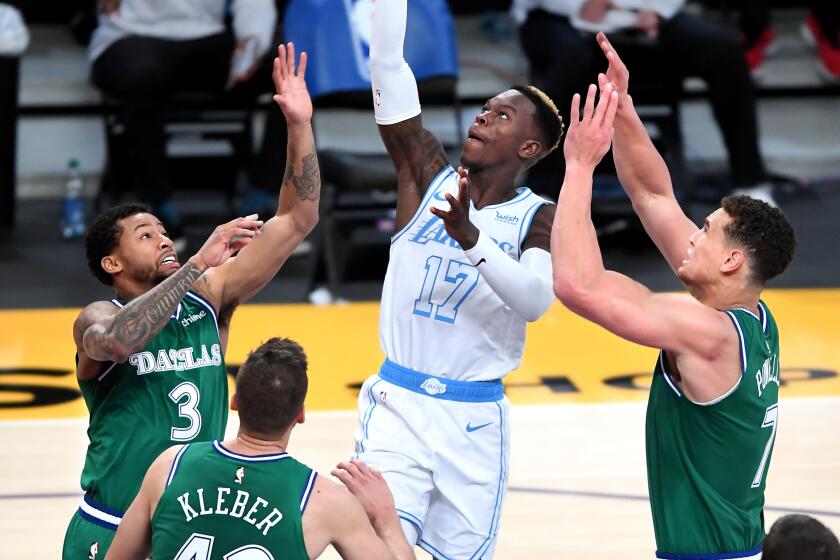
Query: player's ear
<point>530,149</point>
<point>234,405</point>
<point>734,261</point>
<point>301,417</point>
<point>111,264</point>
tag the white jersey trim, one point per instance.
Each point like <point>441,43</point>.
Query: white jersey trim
<point>741,339</point>
<point>249,458</point>
<point>101,515</point>
<point>107,371</point>
<point>175,462</point>
<point>202,301</point>
<point>430,192</point>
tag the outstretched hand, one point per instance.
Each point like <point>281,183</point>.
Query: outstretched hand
<point>292,95</point>
<point>457,219</point>
<point>589,137</point>
<point>369,487</point>
<point>617,73</point>
<point>227,239</point>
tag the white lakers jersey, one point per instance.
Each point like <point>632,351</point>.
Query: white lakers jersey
<point>438,316</point>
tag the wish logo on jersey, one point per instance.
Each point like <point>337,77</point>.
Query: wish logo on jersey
<point>175,360</point>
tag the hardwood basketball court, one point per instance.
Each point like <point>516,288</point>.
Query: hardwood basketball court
<point>577,480</point>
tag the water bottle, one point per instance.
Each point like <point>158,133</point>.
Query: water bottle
<point>73,206</point>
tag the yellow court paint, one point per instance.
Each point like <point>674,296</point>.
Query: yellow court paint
<point>566,359</point>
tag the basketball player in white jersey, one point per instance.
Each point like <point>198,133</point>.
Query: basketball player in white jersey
<point>469,266</point>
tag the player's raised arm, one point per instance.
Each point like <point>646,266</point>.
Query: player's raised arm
<point>417,154</point>
<point>104,333</point>
<point>673,322</point>
<point>642,171</point>
<point>297,211</point>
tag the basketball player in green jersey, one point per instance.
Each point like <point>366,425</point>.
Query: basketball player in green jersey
<point>247,498</point>
<point>150,363</point>
<point>712,411</point>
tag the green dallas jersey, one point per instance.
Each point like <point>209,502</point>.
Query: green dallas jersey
<point>707,464</point>
<point>218,504</point>
<point>173,390</point>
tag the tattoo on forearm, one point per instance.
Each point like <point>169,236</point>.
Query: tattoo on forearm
<point>308,183</point>
<point>410,144</point>
<point>145,316</point>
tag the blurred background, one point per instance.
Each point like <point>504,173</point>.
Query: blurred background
<point>738,96</point>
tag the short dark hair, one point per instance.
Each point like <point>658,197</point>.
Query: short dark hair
<point>801,537</point>
<point>763,232</point>
<point>546,116</point>
<point>271,386</point>
<point>103,236</point>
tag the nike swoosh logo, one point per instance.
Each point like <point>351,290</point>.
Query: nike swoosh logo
<point>481,260</point>
<point>471,428</point>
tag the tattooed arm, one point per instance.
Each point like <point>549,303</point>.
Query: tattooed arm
<point>104,333</point>
<point>297,211</point>
<point>417,154</point>
<point>418,157</point>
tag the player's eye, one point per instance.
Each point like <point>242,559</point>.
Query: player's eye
<point>146,236</point>
<point>503,115</point>
<point>485,109</point>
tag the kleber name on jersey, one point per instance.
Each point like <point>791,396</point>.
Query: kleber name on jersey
<point>175,359</point>
<point>264,522</point>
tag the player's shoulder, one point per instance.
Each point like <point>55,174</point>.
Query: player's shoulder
<point>331,502</point>
<point>539,231</point>
<point>163,462</point>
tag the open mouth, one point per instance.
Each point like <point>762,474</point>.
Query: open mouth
<point>169,260</point>
<point>471,136</point>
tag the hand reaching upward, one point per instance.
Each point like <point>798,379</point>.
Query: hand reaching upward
<point>617,73</point>
<point>589,137</point>
<point>292,95</point>
<point>456,220</point>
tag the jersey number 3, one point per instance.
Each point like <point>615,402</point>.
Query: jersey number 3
<point>186,409</point>
<point>459,278</point>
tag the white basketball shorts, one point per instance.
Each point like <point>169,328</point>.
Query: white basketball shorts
<point>443,446</point>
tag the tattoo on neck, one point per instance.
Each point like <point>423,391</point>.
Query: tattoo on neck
<point>146,315</point>
<point>308,184</point>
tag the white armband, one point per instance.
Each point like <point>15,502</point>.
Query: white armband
<point>525,286</point>
<point>395,97</point>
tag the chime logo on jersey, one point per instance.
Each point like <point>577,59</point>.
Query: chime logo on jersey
<point>187,321</point>
<point>240,475</point>
<point>175,359</point>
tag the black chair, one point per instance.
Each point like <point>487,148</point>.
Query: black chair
<point>203,117</point>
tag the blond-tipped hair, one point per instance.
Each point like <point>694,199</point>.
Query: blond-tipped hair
<point>547,116</point>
